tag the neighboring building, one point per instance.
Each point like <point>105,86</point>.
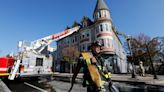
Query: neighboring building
<point>101,29</point>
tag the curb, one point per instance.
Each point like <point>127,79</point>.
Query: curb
<point>67,78</point>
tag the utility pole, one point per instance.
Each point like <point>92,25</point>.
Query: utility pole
<point>128,39</point>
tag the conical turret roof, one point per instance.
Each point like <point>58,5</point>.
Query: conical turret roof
<point>101,5</point>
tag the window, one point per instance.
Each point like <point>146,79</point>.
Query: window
<point>99,14</point>
<point>101,27</point>
<point>83,24</point>
<point>83,47</point>
<point>106,27</point>
<point>86,47</point>
<point>39,61</point>
<point>75,38</point>
<point>108,41</point>
<point>87,34</point>
<point>105,13</point>
<point>110,29</point>
<point>65,41</point>
<point>102,14</point>
<point>83,36</point>
<point>73,41</point>
<point>102,42</point>
<point>97,29</point>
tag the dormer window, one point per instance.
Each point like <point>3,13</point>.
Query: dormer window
<point>85,24</point>
<point>86,21</point>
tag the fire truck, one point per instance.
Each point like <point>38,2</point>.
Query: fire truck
<point>33,58</point>
<point>6,63</point>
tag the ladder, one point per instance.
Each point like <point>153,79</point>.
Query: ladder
<point>14,70</point>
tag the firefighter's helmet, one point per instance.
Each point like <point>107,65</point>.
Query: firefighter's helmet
<point>94,44</point>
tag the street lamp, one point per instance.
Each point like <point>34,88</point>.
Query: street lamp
<point>128,39</point>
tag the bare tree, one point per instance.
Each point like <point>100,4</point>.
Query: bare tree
<point>159,57</point>
<point>144,48</point>
<point>139,48</point>
<point>70,55</point>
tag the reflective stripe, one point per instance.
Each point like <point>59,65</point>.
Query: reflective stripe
<point>106,76</point>
<point>29,70</point>
<point>3,69</point>
<point>88,61</point>
<point>87,82</point>
<point>109,74</point>
<point>99,67</point>
<point>4,74</point>
<point>103,69</point>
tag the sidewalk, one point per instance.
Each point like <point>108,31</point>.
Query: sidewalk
<point>3,87</point>
<point>147,80</point>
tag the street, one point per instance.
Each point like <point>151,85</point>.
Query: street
<point>61,86</point>
<point>27,85</point>
<point>108,45</point>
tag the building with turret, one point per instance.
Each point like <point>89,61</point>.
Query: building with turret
<point>101,28</point>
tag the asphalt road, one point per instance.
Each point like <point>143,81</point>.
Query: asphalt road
<point>26,85</point>
<point>60,86</point>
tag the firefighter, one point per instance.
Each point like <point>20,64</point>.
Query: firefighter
<point>96,76</point>
<point>141,68</point>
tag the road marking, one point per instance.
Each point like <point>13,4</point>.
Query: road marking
<point>42,90</point>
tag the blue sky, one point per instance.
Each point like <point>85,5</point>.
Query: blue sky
<point>33,19</point>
